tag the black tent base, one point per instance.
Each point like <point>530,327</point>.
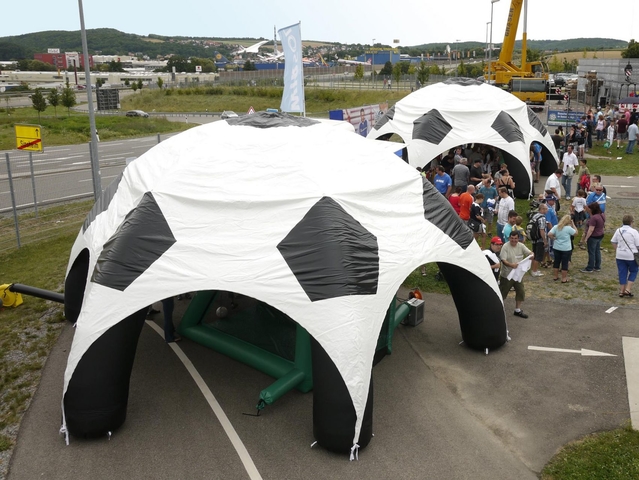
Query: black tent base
<point>98,393</point>
<point>333,411</point>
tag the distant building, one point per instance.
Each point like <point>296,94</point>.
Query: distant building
<point>63,61</point>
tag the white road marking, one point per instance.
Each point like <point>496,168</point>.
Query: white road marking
<point>112,155</point>
<point>631,361</point>
<point>80,163</point>
<point>611,309</point>
<point>584,352</point>
<point>245,457</point>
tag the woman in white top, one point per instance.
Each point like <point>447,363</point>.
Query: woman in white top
<point>610,135</point>
<point>600,128</point>
<point>626,243</point>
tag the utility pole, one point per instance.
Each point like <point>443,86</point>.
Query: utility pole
<point>95,162</point>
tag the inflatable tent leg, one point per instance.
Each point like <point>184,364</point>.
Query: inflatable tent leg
<point>481,312</point>
<point>97,395</point>
<point>333,412</point>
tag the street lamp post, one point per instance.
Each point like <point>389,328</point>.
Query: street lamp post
<point>490,44</point>
<point>486,52</point>
<point>373,63</point>
<point>95,162</point>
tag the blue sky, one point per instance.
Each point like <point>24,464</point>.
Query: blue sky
<point>412,22</point>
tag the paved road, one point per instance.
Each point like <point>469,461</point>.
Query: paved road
<point>441,411</point>
<point>64,172</point>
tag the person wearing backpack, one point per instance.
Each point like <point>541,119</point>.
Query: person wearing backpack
<point>536,231</point>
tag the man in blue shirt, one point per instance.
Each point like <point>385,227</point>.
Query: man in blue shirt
<point>551,214</point>
<point>536,149</point>
<point>363,124</point>
<point>598,196</point>
<point>551,221</point>
<point>442,182</point>
<point>490,194</point>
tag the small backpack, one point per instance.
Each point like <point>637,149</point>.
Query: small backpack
<point>532,229</point>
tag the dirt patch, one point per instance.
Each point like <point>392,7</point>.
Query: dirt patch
<point>588,288</point>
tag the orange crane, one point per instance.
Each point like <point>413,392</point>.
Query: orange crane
<point>527,81</point>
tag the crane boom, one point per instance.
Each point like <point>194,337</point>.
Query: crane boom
<point>508,47</point>
<point>527,81</point>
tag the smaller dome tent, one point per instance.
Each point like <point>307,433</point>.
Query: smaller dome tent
<point>459,111</point>
<point>252,205</point>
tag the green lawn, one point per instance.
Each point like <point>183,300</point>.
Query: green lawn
<point>240,99</point>
<point>610,455</point>
<point>615,163</point>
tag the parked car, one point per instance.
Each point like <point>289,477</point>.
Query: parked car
<point>228,114</point>
<point>137,113</point>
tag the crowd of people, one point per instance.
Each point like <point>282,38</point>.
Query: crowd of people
<point>605,126</point>
<point>482,195</point>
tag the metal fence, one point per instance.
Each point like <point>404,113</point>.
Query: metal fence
<point>44,193</point>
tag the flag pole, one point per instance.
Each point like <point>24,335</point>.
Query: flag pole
<point>303,89</point>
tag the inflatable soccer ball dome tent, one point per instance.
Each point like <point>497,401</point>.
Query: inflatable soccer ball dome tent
<point>303,215</point>
<point>460,111</point>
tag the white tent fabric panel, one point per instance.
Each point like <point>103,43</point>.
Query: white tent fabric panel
<point>230,193</point>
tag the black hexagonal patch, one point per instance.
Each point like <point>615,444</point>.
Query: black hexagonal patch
<point>535,122</point>
<point>507,127</point>
<point>431,127</point>
<point>462,81</point>
<point>140,240</point>
<point>331,254</point>
<point>383,120</point>
<point>439,212</point>
<point>271,120</point>
<point>102,203</point>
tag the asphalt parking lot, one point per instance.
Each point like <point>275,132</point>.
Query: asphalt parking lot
<point>441,410</point>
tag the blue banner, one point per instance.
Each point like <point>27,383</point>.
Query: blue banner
<point>293,97</point>
<point>563,117</point>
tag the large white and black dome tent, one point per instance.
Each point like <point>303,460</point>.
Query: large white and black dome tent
<point>306,216</point>
<point>459,111</point>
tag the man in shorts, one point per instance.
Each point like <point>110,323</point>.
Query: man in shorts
<point>511,254</point>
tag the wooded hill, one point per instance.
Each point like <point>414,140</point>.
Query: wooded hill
<point>109,41</point>
<point>571,45</point>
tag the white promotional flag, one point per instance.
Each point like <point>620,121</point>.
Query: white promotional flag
<point>293,97</point>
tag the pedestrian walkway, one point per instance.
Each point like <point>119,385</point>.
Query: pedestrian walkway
<point>442,411</point>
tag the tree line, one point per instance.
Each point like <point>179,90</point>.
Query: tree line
<point>66,98</point>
